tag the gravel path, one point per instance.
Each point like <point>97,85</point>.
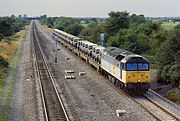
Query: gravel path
<point>89,97</point>
<point>23,103</point>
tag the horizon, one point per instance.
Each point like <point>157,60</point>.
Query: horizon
<point>91,16</point>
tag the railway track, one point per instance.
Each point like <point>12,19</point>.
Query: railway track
<point>53,107</point>
<point>159,107</point>
<point>157,111</point>
<point>170,110</point>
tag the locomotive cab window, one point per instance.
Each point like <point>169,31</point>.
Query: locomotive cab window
<point>137,66</point>
<point>143,66</point>
<point>131,66</point>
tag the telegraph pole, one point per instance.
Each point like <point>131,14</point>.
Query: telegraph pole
<point>56,39</point>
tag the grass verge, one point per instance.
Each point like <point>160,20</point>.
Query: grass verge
<point>12,55</point>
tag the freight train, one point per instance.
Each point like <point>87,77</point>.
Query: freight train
<point>129,71</point>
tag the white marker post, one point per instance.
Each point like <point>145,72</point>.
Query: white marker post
<point>102,36</point>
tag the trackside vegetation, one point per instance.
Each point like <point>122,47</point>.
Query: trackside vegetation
<point>10,50</point>
<point>8,27</point>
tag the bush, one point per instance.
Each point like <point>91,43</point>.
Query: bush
<point>174,96</point>
<point>85,32</point>
<point>166,74</point>
<point>169,74</point>
<point>175,73</point>
<point>3,62</point>
<point>74,29</point>
<point>1,37</point>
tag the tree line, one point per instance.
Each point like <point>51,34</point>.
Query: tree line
<point>134,33</point>
<point>11,25</point>
<point>8,27</point>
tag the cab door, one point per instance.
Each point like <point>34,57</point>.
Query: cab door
<point>122,67</point>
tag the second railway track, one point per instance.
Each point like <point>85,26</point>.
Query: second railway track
<point>157,111</point>
<point>170,110</point>
<point>53,106</point>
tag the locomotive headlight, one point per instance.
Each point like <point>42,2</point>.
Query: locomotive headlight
<point>139,80</point>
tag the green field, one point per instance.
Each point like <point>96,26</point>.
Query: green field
<point>85,25</point>
<point>169,25</point>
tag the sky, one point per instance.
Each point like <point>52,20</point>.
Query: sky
<point>89,8</point>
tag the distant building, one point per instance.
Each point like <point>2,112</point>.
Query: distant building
<point>20,16</point>
<point>24,16</point>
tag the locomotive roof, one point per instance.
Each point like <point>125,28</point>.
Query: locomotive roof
<point>114,52</point>
<point>123,55</point>
<point>134,58</point>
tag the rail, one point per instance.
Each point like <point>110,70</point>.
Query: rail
<point>54,108</point>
